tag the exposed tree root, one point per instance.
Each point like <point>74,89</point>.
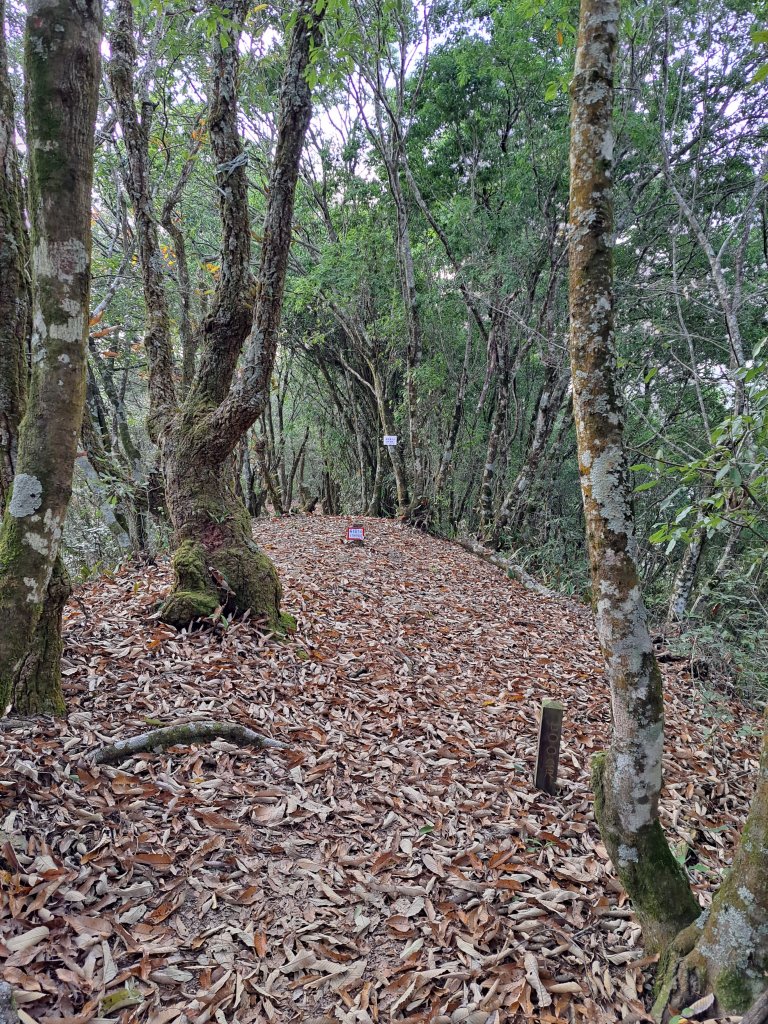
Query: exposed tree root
<point>505,562</point>
<point>8,1014</point>
<point>758,1014</point>
<point>190,732</point>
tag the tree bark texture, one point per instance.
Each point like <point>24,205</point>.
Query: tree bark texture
<point>14,282</point>
<point>216,562</point>
<point>685,577</point>
<point>726,952</point>
<point>628,778</point>
<point>61,83</point>
<point>135,129</point>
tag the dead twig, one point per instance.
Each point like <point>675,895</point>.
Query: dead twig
<point>177,735</point>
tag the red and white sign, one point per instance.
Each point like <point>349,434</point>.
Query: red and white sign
<point>355,533</point>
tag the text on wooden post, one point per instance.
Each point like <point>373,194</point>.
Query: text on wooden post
<point>548,753</point>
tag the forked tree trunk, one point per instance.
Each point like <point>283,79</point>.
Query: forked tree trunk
<point>628,779</point>
<point>61,83</point>
<point>216,561</point>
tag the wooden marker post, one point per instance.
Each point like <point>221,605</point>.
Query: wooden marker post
<point>548,753</point>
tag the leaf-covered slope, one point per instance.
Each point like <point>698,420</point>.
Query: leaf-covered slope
<point>396,863</point>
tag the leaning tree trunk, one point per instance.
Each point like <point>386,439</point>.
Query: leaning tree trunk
<point>628,778</point>
<point>62,78</point>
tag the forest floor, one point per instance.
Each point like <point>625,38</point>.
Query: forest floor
<point>396,863</point>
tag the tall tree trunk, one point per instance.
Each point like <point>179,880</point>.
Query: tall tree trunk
<point>453,429</point>
<point>498,345</point>
<point>628,779</point>
<point>394,452</point>
<point>61,87</point>
<point>136,479</point>
<point>490,467</point>
<point>517,502</point>
<point>215,548</point>
<point>14,283</point>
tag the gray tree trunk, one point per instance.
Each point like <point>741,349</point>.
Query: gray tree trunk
<point>628,778</point>
<point>61,62</point>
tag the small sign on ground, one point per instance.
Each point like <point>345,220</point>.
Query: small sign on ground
<point>356,533</point>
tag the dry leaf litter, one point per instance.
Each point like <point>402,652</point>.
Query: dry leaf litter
<point>396,863</point>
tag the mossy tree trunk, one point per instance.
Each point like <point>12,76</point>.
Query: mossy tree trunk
<point>61,86</point>
<point>216,561</point>
<point>628,778</point>
<point>724,952</point>
<point>727,952</point>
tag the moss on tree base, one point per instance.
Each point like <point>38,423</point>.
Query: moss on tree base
<point>237,578</point>
<point>726,952</point>
<point>287,623</point>
<point>685,975</point>
<point>655,882</point>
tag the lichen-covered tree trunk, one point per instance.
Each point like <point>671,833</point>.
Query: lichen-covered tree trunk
<point>628,779</point>
<point>61,87</point>
<point>37,678</point>
<point>685,576</point>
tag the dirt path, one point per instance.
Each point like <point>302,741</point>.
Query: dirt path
<point>396,863</point>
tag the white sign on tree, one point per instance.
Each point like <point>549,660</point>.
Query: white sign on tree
<point>390,440</point>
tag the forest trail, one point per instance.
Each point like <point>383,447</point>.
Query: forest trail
<point>396,863</point>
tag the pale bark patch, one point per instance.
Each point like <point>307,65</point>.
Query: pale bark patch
<point>27,496</point>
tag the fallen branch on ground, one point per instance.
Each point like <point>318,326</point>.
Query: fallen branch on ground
<point>191,732</point>
<point>506,563</point>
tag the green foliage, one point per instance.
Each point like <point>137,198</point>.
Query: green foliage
<point>726,638</point>
<point>735,466</point>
